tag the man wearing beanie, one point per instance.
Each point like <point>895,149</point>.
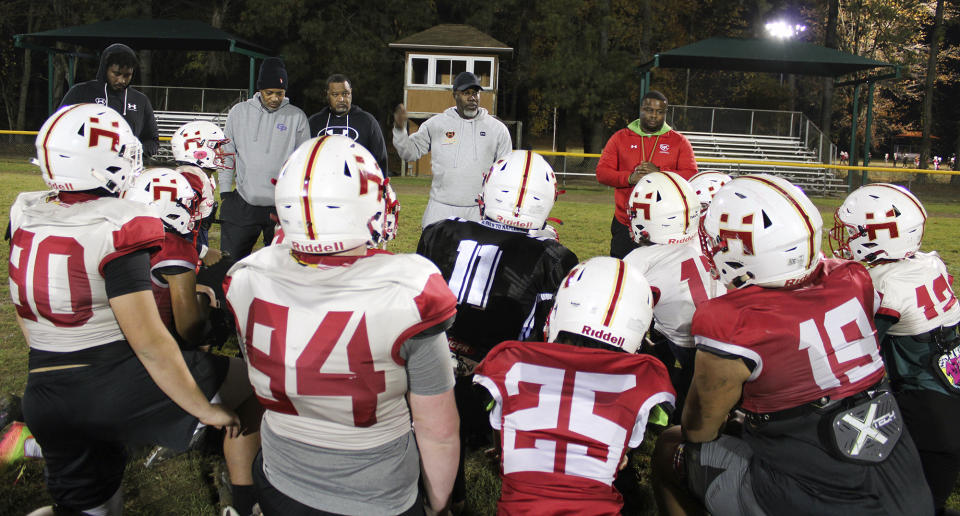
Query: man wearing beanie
<point>464,141</point>
<point>263,132</point>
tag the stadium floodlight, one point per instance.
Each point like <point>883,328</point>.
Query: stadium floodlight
<point>781,29</point>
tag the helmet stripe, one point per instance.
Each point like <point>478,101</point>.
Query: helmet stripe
<point>305,188</point>
<point>46,137</point>
<point>811,245</point>
<point>528,159</point>
<point>686,206</point>
<point>612,305</point>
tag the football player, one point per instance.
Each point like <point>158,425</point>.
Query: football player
<point>664,213</point>
<point>503,276</point>
<point>345,346</point>
<point>567,411</point>
<point>881,225</point>
<point>173,268</point>
<point>793,345</point>
<point>198,149</point>
<point>706,184</point>
<point>104,370</point>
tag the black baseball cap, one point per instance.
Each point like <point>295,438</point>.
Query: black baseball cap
<point>466,80</point>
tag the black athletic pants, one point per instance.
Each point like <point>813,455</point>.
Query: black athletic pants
<point>932,419</point>
<point>242,223</point>
<point>620,242</point>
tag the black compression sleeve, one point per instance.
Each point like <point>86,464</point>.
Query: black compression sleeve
<point>127,274</point>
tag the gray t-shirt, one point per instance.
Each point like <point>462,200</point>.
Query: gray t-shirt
<point>376,481</point>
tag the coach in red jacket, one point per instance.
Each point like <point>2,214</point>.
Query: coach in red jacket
<point>646,145</point>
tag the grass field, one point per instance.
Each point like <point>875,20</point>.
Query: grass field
<point>184,485</point>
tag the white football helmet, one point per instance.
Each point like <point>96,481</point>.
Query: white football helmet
<point>879,221</point>
<point>170,192</point>
<point>88,146</point>
<point>330,196</point>
<point>761,230</point>
<point>391,213</point>
<point>200,144</point>
<point>519,190</point>
<point>604,299</point>
<point>706,184</point>
<point>203,185</point>
<point>663,209</point>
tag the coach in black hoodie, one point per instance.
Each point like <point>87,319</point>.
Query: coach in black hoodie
<point>112,88</point>
<point>342,117</point>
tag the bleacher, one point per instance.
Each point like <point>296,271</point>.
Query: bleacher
<point>783,149</point>
<point>169,121</point>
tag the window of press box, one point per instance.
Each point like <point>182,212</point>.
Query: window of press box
<point>419,70</point>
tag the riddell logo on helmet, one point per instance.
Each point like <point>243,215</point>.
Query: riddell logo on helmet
<point>312,248</point>
<point>603,335</point>
<point>514,223</point>
<point>681,240</point>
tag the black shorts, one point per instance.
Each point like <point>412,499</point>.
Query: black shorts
<point>84,417</point>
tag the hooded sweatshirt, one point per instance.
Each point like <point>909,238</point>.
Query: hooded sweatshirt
<point>461,151</point>
<point>133,105</point>
<point>261,140</point>
<point>357,124</point>
<point>630,146</point>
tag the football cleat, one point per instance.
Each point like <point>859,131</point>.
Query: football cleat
<point>15,435</point>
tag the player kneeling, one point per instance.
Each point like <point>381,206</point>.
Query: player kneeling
<point>104,370</point>
<point>793,345</point>
<point>664,214</point>
<point>569,410</point>
<point>882,225</point>
<point>345,346</point>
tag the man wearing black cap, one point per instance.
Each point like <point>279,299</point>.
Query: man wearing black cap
<point>262,132</point>
<point>463,142</point>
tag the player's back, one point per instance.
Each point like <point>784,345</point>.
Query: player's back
<point>503,278</point>
<point>679,276</point>
<point>810,346</point>
<point>323,340</point>
<point>916,290</point>
<point>567,415</point>
<point>57,254</point>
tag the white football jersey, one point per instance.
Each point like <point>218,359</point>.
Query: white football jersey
<point>323,341</point>
<point>916,291</point>
<point>679,277</point>
<point>57,254</point>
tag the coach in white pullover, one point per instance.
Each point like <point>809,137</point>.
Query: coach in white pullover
<point>463,142</point>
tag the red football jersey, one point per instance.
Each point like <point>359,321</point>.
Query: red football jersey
<point>809,342</point>
<point>566,417</point>
<point>176,254</point>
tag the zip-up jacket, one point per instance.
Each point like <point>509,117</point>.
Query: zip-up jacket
<point>133,105</point>
<point>261,141</point>
<point>461,150</point>
<point>357,124</point>
<point>630,146</point>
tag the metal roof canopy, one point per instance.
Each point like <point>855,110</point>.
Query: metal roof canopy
<point>779,56</point>
<point>139,34</point>
<point>452,37</point>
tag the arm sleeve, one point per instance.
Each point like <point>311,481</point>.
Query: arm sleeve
<point>504,145</point>
<point>412,148</point>
<point>608,172</point>
<point>225,176</point>
<point>127,274</point>
<point>303,129</point>
<point>429,370</point>
<point>686,162</point>
<point>72,97</point>
<point>149,137</point>
<point>378,147</point>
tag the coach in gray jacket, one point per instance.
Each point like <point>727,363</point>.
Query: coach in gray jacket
<point>263,132</point>
<point>463,142</point>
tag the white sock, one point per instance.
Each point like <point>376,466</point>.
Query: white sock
<point>32,449</point>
